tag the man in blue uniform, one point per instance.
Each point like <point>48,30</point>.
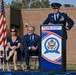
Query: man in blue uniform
<point>31,45</point>
<point>60,18</point>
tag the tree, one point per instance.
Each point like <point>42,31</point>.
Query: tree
<point>40,4</point>
<point>16,4</point>
<point>25,3</point>
<point>46,3</point>
<point>30,3</point>
<point>36,5</point>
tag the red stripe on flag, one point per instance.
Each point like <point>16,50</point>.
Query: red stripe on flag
<point>2,41</point>
<point>1,33</point>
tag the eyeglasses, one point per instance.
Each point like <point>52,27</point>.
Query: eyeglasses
<point>13,31</point>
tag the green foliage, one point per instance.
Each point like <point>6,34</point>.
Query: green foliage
<point>40,4</point>
<point>25,3</point>
<point>46,3</point>
<point>16,4</point>
<point>36,5</point>
<point>30,3</point>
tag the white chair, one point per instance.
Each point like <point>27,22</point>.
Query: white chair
<point>1,57</point>
<point>7,64</point>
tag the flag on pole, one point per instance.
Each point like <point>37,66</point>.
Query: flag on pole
<point>2,26</point>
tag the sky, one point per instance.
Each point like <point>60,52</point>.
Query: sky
<point>51,1</point>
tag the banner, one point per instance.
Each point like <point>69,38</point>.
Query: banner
<point>51,47</point>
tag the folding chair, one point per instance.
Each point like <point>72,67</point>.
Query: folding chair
<point>1,57</point>
<point>7,64</point>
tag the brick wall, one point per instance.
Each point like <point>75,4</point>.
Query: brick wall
<point>7,13</point>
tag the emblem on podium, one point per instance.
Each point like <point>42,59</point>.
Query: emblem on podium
<point>51,45</point>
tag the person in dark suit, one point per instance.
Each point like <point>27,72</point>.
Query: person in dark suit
<point>60,18</point>
<point>31,45</point>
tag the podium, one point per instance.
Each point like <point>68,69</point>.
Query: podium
<point>51,47</point>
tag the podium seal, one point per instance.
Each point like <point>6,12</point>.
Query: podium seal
<point>51,45</point>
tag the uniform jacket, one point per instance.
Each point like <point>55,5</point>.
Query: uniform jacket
<point>62,19</point>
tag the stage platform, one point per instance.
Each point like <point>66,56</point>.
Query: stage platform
<point>36,72</point>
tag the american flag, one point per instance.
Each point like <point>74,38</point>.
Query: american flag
<point>2,26</point>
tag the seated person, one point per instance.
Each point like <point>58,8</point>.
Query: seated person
<point>13,43</point>
<point>31,45</point>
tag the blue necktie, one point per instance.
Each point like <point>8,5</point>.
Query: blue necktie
<point>32,40</point>
<point>56,18</point>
